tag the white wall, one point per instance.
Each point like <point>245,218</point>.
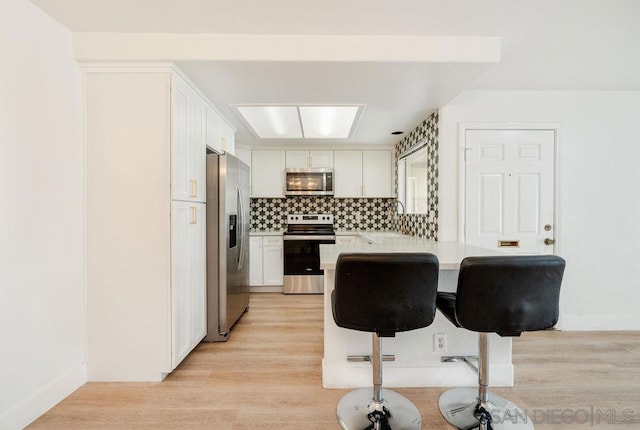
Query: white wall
<point>599,231</point>
<point>41,205</point>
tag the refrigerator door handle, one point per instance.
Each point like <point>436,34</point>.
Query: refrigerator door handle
<point>240,228</point>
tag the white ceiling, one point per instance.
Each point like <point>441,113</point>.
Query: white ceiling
<point>545,45</point>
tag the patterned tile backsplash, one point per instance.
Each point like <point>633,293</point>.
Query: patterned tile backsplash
<point>271,214</point>
<point>426,134</point>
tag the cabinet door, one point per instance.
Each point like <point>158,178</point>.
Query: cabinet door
<point>348,173</point>
<point>267,173</point>
<point>188,141</point>
<point>213,131</point>
<point>272,259</point>
<point>198,148</point>
<point>180,160</point>
<point>188,281</point>
<point>297,159</point>
<point>227,139</point>
<point>321,159</point>
<point>255,261</point>
<point>303,159</point>
<point>376,174</point>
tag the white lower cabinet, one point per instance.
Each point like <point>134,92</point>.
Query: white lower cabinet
<point>267,262</point>
<point>255,260</point>
<point>188,277</point>
<point>272,260</point>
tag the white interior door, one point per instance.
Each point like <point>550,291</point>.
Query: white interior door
<point>509,190</point>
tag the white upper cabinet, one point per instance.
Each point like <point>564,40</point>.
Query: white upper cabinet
<point>306,159</point>
<point>189,135</point>
<point>267,173</point>
<point>377,174</point>
<point>227,139</point>
<point>214,122</point>
<point>348,173</point>
<point>363,173</point>
<point>220,135</point>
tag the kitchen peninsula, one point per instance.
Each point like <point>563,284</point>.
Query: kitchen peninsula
<point>417,355</point>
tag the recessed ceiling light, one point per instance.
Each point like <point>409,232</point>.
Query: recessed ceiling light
<point>273,122</point>
<point>308,122</point>
<point>327,122</point>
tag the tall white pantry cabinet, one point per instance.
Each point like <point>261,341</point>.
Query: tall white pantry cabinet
<point>146,131</point>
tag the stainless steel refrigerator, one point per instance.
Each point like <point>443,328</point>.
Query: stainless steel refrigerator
<point>227,244</point>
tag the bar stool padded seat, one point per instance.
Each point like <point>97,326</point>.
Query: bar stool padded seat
<point>507,295</point>
<point>488,302</point>
<point>382,293</point>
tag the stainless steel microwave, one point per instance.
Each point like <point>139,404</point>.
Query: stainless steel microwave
<point>309,182</point>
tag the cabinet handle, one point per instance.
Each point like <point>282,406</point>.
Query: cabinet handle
<point>194,215</point>
<point>194,188</point>
<point>309,161</point>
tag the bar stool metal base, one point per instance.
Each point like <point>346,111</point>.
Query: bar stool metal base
<point>459,406</point>
<point>358,411</point>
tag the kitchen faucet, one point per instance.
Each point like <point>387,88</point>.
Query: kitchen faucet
<point>403,218</point>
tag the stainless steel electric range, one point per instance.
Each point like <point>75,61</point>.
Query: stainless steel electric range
<point>302,239</point>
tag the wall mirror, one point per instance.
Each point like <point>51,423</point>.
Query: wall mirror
<point>413,176</point>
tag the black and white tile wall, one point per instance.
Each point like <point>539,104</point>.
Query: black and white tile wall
<point>425,134</point>
<point>349,214</point>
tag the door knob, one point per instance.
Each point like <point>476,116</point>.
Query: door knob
<point>548,241</point>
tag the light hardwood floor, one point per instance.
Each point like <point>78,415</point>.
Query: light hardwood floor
<point>268,376</point>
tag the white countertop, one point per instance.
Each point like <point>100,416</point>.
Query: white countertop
<point>449,254</point>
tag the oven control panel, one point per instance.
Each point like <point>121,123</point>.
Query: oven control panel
<point>310,219</point>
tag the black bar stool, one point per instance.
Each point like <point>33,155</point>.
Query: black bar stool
<point>506,295</point>
<point>383,294</point>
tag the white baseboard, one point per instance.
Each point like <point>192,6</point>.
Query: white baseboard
<point>266,289</point>
<point>354,375</point>
<point>28,410</point>
<point>599,322</point>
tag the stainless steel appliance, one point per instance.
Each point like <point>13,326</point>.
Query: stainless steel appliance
<point>302,239</point>
<point>227,244</point>
<point>309,182</point>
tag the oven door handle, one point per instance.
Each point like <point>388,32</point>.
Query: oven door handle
<point>308,237</point>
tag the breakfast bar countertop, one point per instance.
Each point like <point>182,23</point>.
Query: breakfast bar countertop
<point>449,254</point>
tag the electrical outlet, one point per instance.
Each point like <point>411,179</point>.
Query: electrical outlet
<point>440,342</point>
<point>358,217</point>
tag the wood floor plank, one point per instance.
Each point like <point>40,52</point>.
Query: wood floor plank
<point>268,376</point>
